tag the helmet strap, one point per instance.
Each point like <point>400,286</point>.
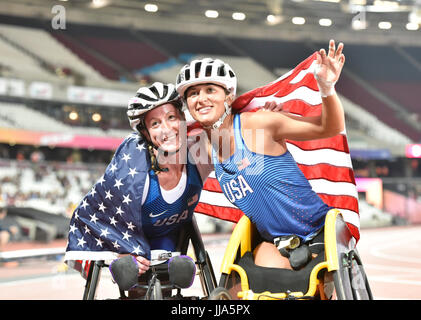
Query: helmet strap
<point>154,160</point>
<point>220,121</point>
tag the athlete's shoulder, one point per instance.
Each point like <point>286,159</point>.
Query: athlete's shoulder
<point>261,119</point>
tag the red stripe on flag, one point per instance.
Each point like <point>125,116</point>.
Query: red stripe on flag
<point>275,86</point>
<point>328,172</point>
<point>81,266</point>
<point>300,107</point>
<point>212,184</point>
<point>338,143</point>
<point>354,231</point>
<point>308,82</point>
<point>340,202</point>
<point>224,213</point>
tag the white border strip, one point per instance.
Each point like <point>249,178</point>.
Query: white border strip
<point>305,94</point>
<point>351,217</point>
<point>215,198</point>
<point>313,157</point>
<point>16,254</point>
<point>334,188</point>
<point>90,255</point>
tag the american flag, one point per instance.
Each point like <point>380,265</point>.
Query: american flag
<point>326,163</point>
<point>244,163</point>
<point>107,221</point>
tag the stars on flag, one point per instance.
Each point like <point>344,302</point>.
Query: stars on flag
<point>130,226</point>
<point>87,229</point>
<point>119,211</point>
<point>137,250</point>
<point>108,195</point>
<point>118,183</point>
<point>93,191</point>
<point>141,147</point>
<point>126,157</point>
<point>132,172</point>
<point>113,221</point>
<point>104,220</point>
<point>102,207</point>
<point>104,232</point>
<point>126,235</point>
<point>113,167</point>
<point>101,180</point>
<point>72,228</point>
<point>99,242</point>
<point>81,242</point>
<point>127,199</point>
<point>116,245</point>
<point>94,219</point>
<point>84,203</point>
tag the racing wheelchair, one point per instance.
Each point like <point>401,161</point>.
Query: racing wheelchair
<point>158,282</point>
<point>336,272</point>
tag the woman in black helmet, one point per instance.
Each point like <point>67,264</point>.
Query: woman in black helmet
<point>149,190</point>
<point>172,182</point>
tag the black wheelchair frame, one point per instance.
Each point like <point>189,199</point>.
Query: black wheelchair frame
<point>190,234</point>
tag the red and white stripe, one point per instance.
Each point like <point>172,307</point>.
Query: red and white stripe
<point>80,265</point>
<point>326,163</point>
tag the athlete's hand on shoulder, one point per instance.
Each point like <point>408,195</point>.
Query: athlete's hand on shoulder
<point>273,106</point>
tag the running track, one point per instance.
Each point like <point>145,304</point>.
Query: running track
<point>391,257</point>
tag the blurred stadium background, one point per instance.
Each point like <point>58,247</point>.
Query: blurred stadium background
<point>67,69</point>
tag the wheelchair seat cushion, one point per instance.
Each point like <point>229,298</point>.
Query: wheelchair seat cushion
<point>277,280</point>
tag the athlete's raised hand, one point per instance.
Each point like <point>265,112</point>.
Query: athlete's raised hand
<point>329,67</point>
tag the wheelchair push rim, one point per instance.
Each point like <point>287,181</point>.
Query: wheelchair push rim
<point>350,280</point>
<point>220,293</point>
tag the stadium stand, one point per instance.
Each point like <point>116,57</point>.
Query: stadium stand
<point>24,117</point>
<point>41,44</point>
<point>88,56</point>
<point>18,64</point>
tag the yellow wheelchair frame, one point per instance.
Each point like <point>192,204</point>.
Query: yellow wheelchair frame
<point>341,260</point>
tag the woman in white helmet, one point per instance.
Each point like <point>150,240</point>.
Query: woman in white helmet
<point>278,200</point>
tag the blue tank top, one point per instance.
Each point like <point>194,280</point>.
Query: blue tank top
<point>162,221</point>
<point>271,191</point>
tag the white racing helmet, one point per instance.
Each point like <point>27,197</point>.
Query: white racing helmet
<point>206,70</point>
<point>148,98</point>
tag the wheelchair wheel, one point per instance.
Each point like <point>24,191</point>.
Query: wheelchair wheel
<point>350,280</point>
<point>220,293</point>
